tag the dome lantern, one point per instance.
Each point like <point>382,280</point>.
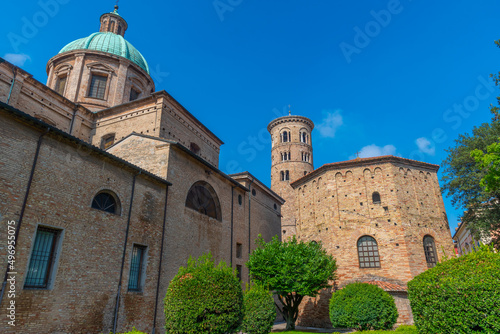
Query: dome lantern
<point>113,22</point>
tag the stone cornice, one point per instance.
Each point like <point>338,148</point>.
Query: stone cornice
<point>362,162</point>
<point>291,118</point>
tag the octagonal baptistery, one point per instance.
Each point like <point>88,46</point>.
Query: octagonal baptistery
<point>102,70</point>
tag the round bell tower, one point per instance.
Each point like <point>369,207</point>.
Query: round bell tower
<point>292,158</point>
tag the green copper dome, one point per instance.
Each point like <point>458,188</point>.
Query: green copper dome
<point>110,43</point>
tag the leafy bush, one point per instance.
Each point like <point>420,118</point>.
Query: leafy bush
<point>260,311</point>
<point>461,295</point>
<point>362,306</point>
<point>203,298</point>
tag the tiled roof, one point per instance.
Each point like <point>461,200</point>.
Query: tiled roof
<point>386,286</point>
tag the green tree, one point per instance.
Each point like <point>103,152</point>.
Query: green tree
<point>292,270</point>
<point>490,162</point>
<point>462,175</point>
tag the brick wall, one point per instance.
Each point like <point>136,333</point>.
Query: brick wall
<point>65,180</point>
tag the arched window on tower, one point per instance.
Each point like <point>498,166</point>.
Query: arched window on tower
<point>203,199</point>
<point>285,136</point>
<point>376,198</point>
<point>304,137</point>
<point>368,252</point>
<point>282,174</point>
<point>430,251</point>
<point>287,175</point>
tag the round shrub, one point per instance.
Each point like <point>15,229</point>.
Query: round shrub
<point>362,306</point>
<point>203,298</point>
<point>260,311</point>
<point>460,295</point>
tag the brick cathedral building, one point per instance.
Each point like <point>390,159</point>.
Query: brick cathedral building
<point>110,186</point>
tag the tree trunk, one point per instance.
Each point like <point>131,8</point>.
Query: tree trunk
<point>290,309</point>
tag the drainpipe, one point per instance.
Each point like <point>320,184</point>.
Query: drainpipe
<point>161,257</point>
<point>23,207</point>
<point>249,213</point>
<point>232,217</point>
<point>117,305</point>
<point>14,72</point>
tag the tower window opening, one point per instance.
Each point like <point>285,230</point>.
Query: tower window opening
<point>285,156</point>
<point>303,137</point>
<point>287,175</point>
<point>119,29</point>
<point>285,136</point>
<point>376,198</point>
<point>97,86</point>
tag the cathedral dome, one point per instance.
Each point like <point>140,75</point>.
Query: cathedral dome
<point>110,43</point>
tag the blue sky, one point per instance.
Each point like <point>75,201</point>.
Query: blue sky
<point>376,77</point>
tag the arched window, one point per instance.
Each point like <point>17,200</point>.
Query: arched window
<point>368,252</point>
<point>282,173</point>
<point>376,198</point>
<point>285,136</point>
<point>430,251</point>
<point>202,198</point>
<point>303,137</point>
<point>106,201</point>
<point>287,175</point>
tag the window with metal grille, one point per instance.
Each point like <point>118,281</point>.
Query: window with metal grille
<point>136,268</point>
<point>376,198</point>
<point>202,198</point>
<point>239,250</point>
<point>430,251</point>
<point>97,86</point>
<point>105,201</point>
<point>368,252</point>
<point>42,258</point>
<point>61,84</point>
<point>238,271</point>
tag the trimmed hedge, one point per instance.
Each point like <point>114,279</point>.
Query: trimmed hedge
<point>460,295</point>
<point>362,306</point>
<point>203,298</point>
<point>260,311</point>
